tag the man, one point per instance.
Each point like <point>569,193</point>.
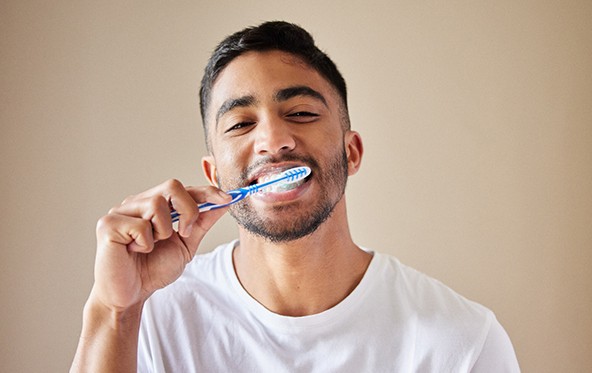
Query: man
<point>294,293</point>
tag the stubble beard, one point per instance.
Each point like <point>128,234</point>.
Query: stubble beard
<point>301,221</point>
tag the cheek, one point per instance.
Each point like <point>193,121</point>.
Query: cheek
<point>229,168</point>
<point>226,154</point>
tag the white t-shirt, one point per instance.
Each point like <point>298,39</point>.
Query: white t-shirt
<point>395,320</point>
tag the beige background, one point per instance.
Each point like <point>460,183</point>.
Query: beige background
<point>476,117</point>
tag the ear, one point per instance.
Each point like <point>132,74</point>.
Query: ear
<point>354,150</point>
<point>208,165</point>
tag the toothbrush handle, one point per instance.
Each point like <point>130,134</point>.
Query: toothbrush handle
<point>236,194</point>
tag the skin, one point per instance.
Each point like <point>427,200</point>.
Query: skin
<point>138,252</point>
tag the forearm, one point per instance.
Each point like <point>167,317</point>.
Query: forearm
<point>109,339</point>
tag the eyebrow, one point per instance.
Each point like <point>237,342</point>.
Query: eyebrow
<point>301,90</point>
<point>232,103</point>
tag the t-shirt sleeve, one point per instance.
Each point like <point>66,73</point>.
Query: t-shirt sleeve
<point>497,354</point>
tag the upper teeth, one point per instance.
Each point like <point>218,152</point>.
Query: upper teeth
<point>279,187</point>
<point>267,177</point>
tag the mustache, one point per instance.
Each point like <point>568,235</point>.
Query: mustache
<point>271,160</point>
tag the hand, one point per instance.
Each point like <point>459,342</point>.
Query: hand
<point>139,252</point>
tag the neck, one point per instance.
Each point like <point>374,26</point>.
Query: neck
<point>304,276</point>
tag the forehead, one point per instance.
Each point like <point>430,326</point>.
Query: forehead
<point>261,75</point>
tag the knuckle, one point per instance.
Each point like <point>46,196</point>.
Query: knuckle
<point>105,223</point>
<point>157,202</point>
<point>144,226</point>
<point>127,199</point>
<point>173,184</point>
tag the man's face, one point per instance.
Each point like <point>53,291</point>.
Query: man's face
<point>269,112</point>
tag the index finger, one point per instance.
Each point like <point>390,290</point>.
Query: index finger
<point>183,200</point>
<point>198,195</point>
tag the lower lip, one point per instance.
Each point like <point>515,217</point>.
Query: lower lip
<point>285,196</point>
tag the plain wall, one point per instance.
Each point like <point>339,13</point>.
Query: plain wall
<point>476,118</point>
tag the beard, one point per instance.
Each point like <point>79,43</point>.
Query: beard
<point>301,222</point>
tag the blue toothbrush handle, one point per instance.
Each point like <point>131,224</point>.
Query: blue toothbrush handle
<point>236,194</point>
<point>289,176</point>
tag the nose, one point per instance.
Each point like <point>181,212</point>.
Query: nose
<point>274,137</point>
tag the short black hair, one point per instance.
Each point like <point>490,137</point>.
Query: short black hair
<point>274,35</point>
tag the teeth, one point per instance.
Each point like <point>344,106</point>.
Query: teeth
<point>280,187</point>
<point>267,177</point>
<point>283,187</point>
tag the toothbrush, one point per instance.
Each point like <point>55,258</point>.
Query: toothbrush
<point>289,176</point>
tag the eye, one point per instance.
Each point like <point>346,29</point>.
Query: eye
<point>303,116</point>
<point>239,126</point>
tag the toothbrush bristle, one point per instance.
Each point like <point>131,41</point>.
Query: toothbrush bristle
<point>285,178</point>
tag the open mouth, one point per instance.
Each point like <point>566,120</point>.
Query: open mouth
<point>278,187</point>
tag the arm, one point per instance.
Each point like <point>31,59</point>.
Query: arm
<point>109,339</point>
<point>138,252</point>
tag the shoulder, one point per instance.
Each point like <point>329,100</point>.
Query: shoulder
<point>446,323</point>
<point>426,294</point>
<point>443,322</point>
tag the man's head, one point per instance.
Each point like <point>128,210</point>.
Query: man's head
<point>276,35</point>
<point>267,109</point>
